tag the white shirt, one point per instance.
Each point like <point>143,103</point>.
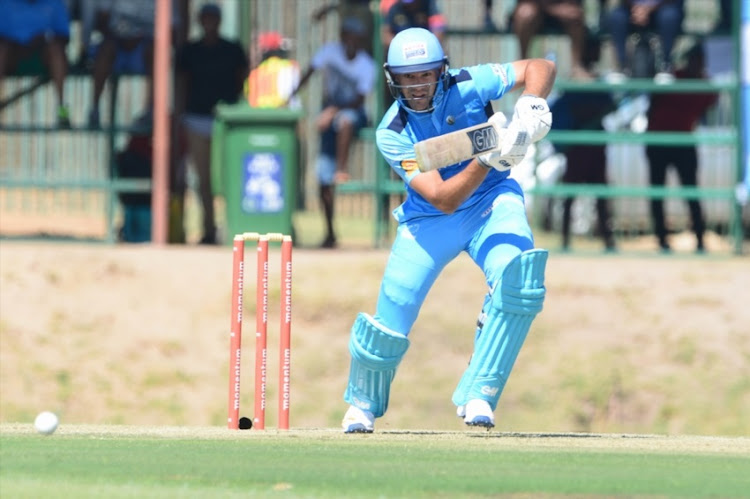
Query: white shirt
<point>345,79</point>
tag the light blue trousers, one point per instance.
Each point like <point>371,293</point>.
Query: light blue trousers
<point>492,233</point>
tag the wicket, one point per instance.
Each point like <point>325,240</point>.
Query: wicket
<point>261,334</point>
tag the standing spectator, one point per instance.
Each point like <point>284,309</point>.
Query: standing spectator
<point>531,16</point>
<point>272,82</point>
<point>678,112</point>
<point>663,16</point>
<point>210,70</point>
<point>349,74</point>
<point>32,30</point>
<point>585,164</point>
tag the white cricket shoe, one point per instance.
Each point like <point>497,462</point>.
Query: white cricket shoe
<point>478,412</point>
<point>357,420</point>
<point>461,411</point>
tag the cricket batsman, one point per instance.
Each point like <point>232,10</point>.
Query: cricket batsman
<point>472,206</point>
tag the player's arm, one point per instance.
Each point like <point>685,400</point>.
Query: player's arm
<point>535,76</point>
<point>447,195</point>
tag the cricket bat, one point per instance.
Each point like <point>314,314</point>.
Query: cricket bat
<point>454,147</point>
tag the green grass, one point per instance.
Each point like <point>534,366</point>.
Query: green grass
<point>325,463</point>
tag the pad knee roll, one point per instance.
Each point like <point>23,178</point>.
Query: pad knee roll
<point>376,352</point>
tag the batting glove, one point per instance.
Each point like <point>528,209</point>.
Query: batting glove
<point>495,159</point>
<point>531,122</point>
<point>533,114</point>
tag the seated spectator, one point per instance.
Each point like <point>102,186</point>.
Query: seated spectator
<point>724,23</point>
<point>532,16</point>
<point>585,164</point>
<point>488,23</point>
<point>36,31</point>
<point>679,112</point>
<point>402,14</point>
<point>359,9</point>
<point>127,46</point>
<point>662,16</point>
<point>210,70</point>
<point>349,73</point>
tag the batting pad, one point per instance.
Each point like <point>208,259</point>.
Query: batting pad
<point>516,300</point>
<point>376,353</point>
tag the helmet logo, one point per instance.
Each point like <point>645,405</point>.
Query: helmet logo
<point>415,50</point>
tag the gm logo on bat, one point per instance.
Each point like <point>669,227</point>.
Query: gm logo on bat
<point>483,139</point>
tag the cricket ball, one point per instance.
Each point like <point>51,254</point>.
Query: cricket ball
<point>245,423</point>
<point>46,423</point>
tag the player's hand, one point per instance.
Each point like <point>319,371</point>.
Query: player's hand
<point>495,159</point>
<point>533,114</point>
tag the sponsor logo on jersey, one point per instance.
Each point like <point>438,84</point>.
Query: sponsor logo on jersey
<point>499,70</point>
<point>410,165</point>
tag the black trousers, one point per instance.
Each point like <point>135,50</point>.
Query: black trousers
<point>685,162</point>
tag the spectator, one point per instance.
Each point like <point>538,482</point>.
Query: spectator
<point>135,161</point>
<point>210,70</point>
<point>663,16</point>
<point>489,24</point>
<point>33,31</point>
<point>91,30</point>
<point>127,45</point>
<point>349,74</point>
<point>531,16</point>
<point>351,8</point>
<point>724,23</point>
<point>585,164</point>
<point>271,83</point>
<point>402,14</point>
<point>678,112</point>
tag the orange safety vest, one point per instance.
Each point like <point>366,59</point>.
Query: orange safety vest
<point>271,84</point>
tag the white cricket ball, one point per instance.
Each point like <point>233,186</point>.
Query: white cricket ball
<point>46,423</point>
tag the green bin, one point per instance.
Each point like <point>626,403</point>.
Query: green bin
<point>254,162</point>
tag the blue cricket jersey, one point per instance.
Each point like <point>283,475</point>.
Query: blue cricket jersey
<point>467,102</point>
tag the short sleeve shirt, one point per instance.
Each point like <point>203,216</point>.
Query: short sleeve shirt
<point>466,102</point>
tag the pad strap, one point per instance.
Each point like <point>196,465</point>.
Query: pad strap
<point>516,301</point>
<point>376,353</point>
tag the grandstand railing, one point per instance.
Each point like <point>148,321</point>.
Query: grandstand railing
<point>41,163</point>
<point>465,44</point>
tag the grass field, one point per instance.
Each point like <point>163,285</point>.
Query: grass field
<point>126,461</point>
<point>634,383</point>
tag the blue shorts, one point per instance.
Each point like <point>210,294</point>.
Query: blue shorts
<point>127,61</point>
<point>23,21</point>
<point>326,163</point>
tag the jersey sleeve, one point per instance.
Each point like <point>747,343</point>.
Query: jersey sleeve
<point>493,80</point>
<point>398,151</point>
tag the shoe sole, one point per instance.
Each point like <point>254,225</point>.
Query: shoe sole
<point>481,421</point>
<point>358,430</point>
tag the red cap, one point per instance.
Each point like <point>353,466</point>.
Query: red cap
<point>269,40</point>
